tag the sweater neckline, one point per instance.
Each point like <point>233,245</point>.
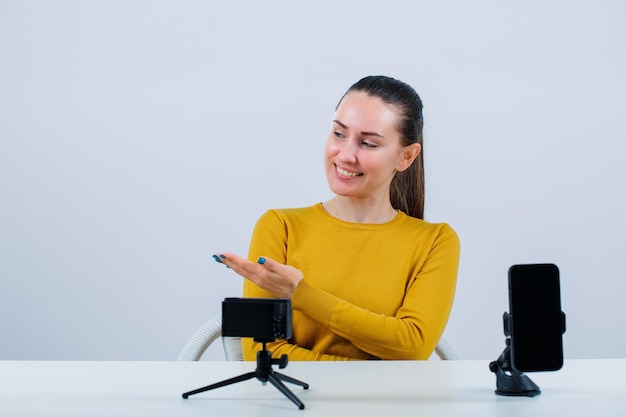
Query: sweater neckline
<point>359,225</point>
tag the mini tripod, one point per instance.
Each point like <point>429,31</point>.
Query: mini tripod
<point>263,373</point>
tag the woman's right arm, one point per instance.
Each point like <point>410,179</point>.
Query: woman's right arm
<point>269,239</point>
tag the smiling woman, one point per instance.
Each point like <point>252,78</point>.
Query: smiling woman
<point>367,276</point>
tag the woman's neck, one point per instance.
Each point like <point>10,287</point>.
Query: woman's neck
<point>360,210</point>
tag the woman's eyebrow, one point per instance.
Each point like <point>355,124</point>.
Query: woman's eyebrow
<point>362,133</point>
<point>340,124</point>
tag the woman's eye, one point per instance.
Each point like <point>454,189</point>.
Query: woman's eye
<point>369,145</point>
<point>339,134</point>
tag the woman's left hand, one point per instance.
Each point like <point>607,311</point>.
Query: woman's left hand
<point>276,278</point>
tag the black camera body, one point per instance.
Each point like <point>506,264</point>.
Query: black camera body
<point>259,318</point>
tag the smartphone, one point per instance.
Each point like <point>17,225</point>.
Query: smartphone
<point>537,323</point>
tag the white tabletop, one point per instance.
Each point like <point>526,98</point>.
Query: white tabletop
<point>367,388</point>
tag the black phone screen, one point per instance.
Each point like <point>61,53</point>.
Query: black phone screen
<point>537,322</point>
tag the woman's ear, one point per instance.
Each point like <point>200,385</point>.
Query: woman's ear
<point>409,153</point>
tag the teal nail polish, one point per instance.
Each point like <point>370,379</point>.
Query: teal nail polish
<point>218,260</point>
<point>261,260</point>
<point>222,256</point>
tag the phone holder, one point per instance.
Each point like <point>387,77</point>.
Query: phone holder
<point>531,344</point>
<point>510,382</point>
<point>263,373</point>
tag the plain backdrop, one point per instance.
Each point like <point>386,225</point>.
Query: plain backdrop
<point>139,137</point>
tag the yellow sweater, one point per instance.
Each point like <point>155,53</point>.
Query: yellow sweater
<point>370,291</point>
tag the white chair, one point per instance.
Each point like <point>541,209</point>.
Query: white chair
<point>212,329</point>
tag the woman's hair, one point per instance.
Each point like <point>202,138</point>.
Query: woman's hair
<point>407,187</point>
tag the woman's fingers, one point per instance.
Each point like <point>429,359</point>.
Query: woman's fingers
<point>281,280</point>
<point>240,265</point>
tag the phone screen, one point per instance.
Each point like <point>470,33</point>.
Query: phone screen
<point>537,322</point>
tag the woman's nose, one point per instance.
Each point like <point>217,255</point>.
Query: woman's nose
<point>347,152</point>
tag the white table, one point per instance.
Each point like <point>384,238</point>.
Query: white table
<point>369,388</point>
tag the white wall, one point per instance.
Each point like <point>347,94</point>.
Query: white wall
<point>138,137</point>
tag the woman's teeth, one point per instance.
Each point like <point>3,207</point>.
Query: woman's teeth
<point>345,173</point>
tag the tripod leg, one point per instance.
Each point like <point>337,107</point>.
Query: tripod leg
<point>282,388</point>
<point>223,383</point>
<point>289,379</point>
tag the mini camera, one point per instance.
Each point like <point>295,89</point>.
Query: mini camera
<point>260,318</point>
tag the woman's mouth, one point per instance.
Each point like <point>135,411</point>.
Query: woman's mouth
<point>345,173</point>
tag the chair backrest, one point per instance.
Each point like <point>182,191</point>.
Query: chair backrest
<point>232,348</point>
<point>212,330</point>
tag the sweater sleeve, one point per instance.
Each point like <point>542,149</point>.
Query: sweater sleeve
<point>418,324</point>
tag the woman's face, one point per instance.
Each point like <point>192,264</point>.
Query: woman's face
<point>363,151</point>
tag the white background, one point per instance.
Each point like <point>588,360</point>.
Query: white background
<point>139,137</point>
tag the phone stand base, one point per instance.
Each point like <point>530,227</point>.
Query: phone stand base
<point>510,382</point>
